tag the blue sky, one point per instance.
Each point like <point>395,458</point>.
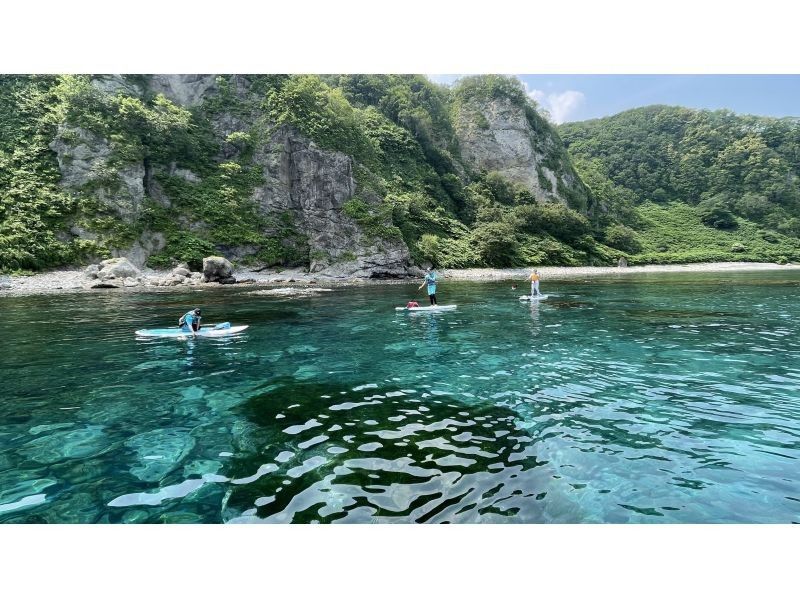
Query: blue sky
<point>580,97</point>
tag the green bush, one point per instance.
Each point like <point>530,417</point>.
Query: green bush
<point>183,247</point>
<point>555,219</point>
<point>621,237</point>
<point>496,244</point>
<point>429,248</point>
<point>320,112</point>
<point>375,221</point>
<point>502,190</point>
<point>715,214</point>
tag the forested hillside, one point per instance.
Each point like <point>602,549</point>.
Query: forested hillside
<point>345,174</point>
<point>369,175</point>
<point>704,184</point>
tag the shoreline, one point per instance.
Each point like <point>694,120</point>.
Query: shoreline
<point>73,280</point>
<point>567,272</point>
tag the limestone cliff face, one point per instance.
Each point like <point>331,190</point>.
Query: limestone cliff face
<point>83,159</point>
<point>184,90</point>
<point>307,182</point>
<point>313,185</point>
<point>497,135</point>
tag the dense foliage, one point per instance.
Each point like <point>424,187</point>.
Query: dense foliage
<point>33,208</point>
<point>730,166</point>
<point>656,184</point>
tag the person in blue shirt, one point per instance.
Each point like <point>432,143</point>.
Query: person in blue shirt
<point>190,322</point>
<point>430,280</point>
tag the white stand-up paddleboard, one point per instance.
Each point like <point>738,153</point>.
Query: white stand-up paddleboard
<point>532,298</point>
<point>223,329</point>
<point>428,308</point>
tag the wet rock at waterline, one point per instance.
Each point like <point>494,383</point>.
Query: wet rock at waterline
<point>291,292</point>
<point>117,267</point>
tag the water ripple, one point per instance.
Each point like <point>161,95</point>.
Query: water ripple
<point>614,402</point>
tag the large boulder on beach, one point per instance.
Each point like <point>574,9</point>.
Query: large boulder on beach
<point>117,268</point>
<point>92,270</point>
<point>216,268</point>
<point>622,263</point>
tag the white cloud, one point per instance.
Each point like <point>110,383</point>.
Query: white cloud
<point>558,104</point>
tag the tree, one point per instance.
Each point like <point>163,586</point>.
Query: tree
<point>715,213</point>
<point>495,243</point>
<point>621,237</point>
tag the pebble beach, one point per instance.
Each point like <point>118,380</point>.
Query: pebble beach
<point>74,280</point>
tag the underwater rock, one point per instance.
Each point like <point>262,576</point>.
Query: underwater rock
<point>295,349</point>
<point>307,372</point>
<point>224,400</point>
<point>81,507</point>
<point>73,444</point>
<point>23,494</point>
<point>247,437</point>
<point>201,467</point>
<point>159,452</point>
<point>193,393</point>
<point>49,427</point>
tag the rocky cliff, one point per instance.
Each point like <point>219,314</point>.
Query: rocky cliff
<point>497,136</point>
<point>301,181</point>
<point>313,186</point>
<point>501,132</point>
<point>343,175</point>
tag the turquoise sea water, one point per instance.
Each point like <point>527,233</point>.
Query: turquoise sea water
<point>657,398</point>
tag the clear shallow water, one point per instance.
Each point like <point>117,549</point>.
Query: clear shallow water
<point>651,399</point>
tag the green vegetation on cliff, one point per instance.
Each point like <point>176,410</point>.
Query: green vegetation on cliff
<point>34,210</point>
<point>693,185</point>
<point>656,185</point>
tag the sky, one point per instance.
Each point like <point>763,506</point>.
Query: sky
<point>571,98</point>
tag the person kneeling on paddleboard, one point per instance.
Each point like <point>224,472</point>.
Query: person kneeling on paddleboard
<point>412,303</point>
<point>430,280</point>
<point>190,321</point>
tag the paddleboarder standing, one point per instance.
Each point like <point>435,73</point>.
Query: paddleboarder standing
<point>430,280</point>
<point>534,278</point>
